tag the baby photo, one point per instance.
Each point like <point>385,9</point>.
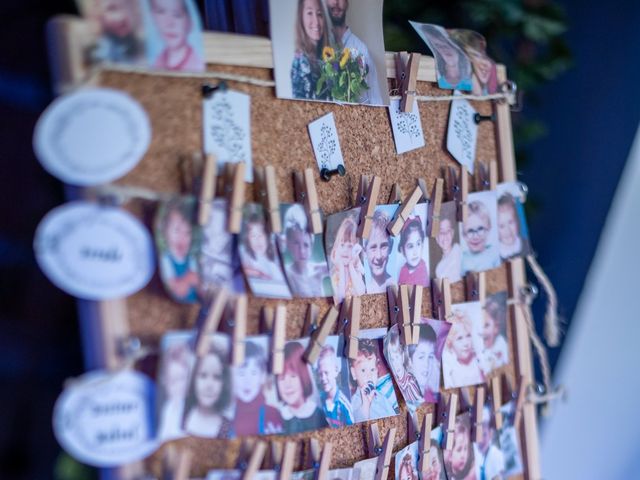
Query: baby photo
<point>299,401</point>
<point>406,464</point>
<point>178,242</point>
<point>513,234</point>
<point>117,27</point>
<point>414,249</point>
<point>331,373</point>
<point>302,252</point>
<point>509,443</point>
<point>445,257</point>
<point>381,259</point>
<point>259,257</point>
<point>346,255</point>
<point>479,233</point>
<point>219,261</point>
<point>489,457</point>
<point>330,50</point>
<point>173,35</point>
<point>459,462</point>
<point>484,77</point>
<point>254,396</point>
<point>425,357</point>
<point>461,362</point>
<point>372,392</point>
<point>453,68</point>
<point>207,406</point>
<point>494,349</point>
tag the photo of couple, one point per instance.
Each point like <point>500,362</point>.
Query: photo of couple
<point>329,50</point>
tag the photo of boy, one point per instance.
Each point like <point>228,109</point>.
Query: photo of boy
<point>328,371</point>
<point>509,443</point>
<point>425,358</point>
<point>398,359</point>
<point>479,233</point>
<point>414,249</point>
<point>494,352</point>
<point>381,257</point>
<point>489,457</point>
<point>252,414</point>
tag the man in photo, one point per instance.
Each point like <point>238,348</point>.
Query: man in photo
<point>343,35</point>
<point>378,249</point>
<point>336,406</point>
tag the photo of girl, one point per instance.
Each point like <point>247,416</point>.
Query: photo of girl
<point>460,359</point>
<point>446,254</point>
<point>177,241</point>
<point>174,35</point>
<point>513,234</point>
<point>485,77</point>
<point>298,397</point>
<point>303,257</point>
<point>258,255</point>
<point>459,462</point>
<point>406,463</point>
<point>426,356</point>
<point>414,249</point>
<point>345,260</point>
<point>494,352</point>
<point>210,390</point>
<point>398,359</point>
<point>479,233</point>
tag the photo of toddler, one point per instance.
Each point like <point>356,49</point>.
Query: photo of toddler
<point>479,233</point>
<point>460,359</point>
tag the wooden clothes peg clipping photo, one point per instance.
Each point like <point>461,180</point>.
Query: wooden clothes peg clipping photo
<point>476,287</point>
<point>177,463</point>
<point>239,330</point>
<point>207,189</point>
<point>441,299</point>
<point>283,459</point>
<point>252,456</point>
<point>209,321</point>
<point>458,187</point>
<point>316,342</point>
<point>278,332</point>
<point>496,398</point>
<point>382,450</point>
<point>236,197</point>
<point>321,458</point>
<point>450,421</point>
<point>395,195</point>
<point>353,327</point>
<point>478,413</point>
<point>367,199</point>
<point>402,214</point>
<point>407,66</point>
<point>434,206</point>
<point>305,187</point>
<point>520,399</point>
<point>424,445</point>
<point>486,177</point>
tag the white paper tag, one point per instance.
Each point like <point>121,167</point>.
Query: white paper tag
<point>406,126</point>
<point>326,145</point>
<point>462,133</point>
<point>104,419</point>
<point>94,252</point>
<point>227,128</point>
<point>92,136</point>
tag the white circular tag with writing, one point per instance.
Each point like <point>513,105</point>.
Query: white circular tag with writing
<point>104,419</point>
<point>92,136</point>
<point>94,252</point>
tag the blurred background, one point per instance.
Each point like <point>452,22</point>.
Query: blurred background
<point>576,61</point>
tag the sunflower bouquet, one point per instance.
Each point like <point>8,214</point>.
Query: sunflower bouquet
<point>342,75</point>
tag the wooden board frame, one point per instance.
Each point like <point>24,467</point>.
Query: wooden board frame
<point>104,324</point>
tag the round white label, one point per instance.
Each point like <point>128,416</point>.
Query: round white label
<point>105,419</point>
<point>92,136</point>
<point>94,252</point>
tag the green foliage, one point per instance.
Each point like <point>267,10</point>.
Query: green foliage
<point>66,468</point>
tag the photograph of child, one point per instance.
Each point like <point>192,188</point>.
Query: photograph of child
<point>331,50</point>
<point>117,25</point>
<point>453,68</point>
<point>381,258</point>
<point>407,463</point>
<point>494,352</point>
<point>345,254</point>
<point>425,357</point>
<point>445,257</point>
<point>206,411</point>
<point>219,261</point>
<point>513,234</point>
<point>258,255</point>
<point>332,377</point>
<point>176,362</point>
<point>178,241</point>
<point>173,35</point>
<point>253,414</point>
<point>489,457</point>
<point>373,395</point>
<point>479,233</point>
<point>461,364</point>
<point>297,393</point>
<point>414,249</point>
<point>302,252</point>
<point>459,462</point>
<point>485,76</point>
<point>436,462</point>
<point>509,443</point>
<point>398,359</point>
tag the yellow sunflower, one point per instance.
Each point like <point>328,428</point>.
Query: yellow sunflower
<point>345,57</point>
<point>328,54</point>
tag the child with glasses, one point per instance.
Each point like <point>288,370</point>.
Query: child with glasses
<point>480,253</point>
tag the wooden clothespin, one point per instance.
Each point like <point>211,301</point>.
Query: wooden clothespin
<point>236,200</point>
<point>283,459</point>
<point>450,424</point>
<point>267,195</point>
<point>407,66</point>
<point>392,303</point>
<point>209,320</point>
<point>416,312</point>
<point>258,450</point>
<point>496,396</point>
<point>316,342</point>
<point>381,450</point>
<point>402,214</point>
<point>423,188</point>
<point>353,328</point>
<point>368,206</point>
<point>278,333</point>
<point>310,319</point>
<point>395,196</point>
<point>321,458</point>
<point>404,319</point>
<point>441,299</point>
<point>424,445</point>
<point>478,415</point>
<point>464,192</point>
<point>486,177</point>
<point>413,429</point>
<point>520,399</point>
<point>306,194</point>
<point>458,187</point>
<point>475,284</point>
<point>177,463</point>
<point>434,207</point>
<point>207,189</point>
<point>239,329</point>
<point>493,175</point>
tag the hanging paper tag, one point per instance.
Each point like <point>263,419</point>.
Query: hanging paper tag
<point>462,133</point>
<point>227,128</point>
<point>326,145</point>
<point>406,126</point>
<point>92,136</point>
<point>104,419</point>
<point>94,252</point>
